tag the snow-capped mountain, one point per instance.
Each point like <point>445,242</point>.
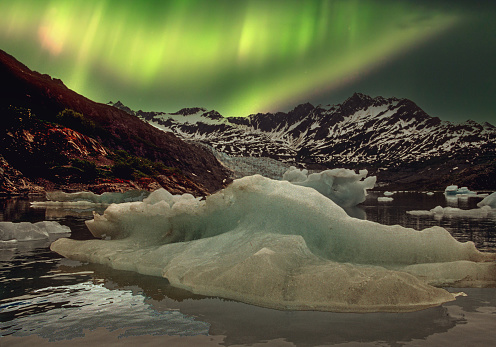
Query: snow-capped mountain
<point>382,135</point>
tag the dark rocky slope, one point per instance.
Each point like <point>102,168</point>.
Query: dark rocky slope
<point>31,125</point>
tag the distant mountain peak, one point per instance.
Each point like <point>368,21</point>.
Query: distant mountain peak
<point>303,108</point>
<point>213,115</point>
<point>360,96</point>
<point>187,111</point>
<point>117,104</point>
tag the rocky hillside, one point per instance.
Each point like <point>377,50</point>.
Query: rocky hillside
<point>53,136</point>
<point>392,138</point>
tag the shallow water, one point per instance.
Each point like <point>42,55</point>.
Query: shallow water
<point>45,299</point>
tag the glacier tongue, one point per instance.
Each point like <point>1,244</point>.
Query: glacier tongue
<point>275,244</point>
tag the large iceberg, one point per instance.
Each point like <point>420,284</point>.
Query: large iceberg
<point>280,245</point>
<point>344,187</point>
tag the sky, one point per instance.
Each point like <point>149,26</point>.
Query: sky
<point>249,56</point>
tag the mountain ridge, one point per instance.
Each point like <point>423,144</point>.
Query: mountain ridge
<point>388,136</point>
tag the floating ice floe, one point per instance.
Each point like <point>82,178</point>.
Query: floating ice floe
<point>452,212</point>
<point>454,190</point>
<point>385,199</point>
<point>489,200</point>
<point>386,193</point>
<point>25,232</point>
<point>276,244</point>
<point>89,199</point>
<point>344,187</point>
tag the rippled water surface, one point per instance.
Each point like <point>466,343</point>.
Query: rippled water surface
<point>45,299</point>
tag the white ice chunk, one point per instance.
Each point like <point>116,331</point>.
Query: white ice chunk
<point>275,244</point>
<point>344,187</point>
<point>295,175</point>
<point>105,198</point>
<point>88,200</point>
<point>451,189</point>
<point>489,200</point>
<point>388,193</point>
<point>385,199</point>
<point>454,190</point>
<point>464,190</point>
<point>452,212</point>
<point>24,231</point>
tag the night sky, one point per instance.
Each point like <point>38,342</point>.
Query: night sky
<point>242,57</point>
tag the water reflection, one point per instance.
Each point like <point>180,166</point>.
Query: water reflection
<point>481,231</point>
<point>19,210</point>
<point>64,312</point>
<point>125,295</point>
<point>59,299</point>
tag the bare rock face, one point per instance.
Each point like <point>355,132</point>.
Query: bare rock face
<point>59,158</point>
<point>93,134</point>
<point>12,181</point>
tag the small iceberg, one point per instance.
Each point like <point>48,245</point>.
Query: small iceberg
<point>454,190</point>
<point>454,212</point>
<point>385,199</point>
<point>25,232</point>
<point>89,199</point>
<point>343,186</point>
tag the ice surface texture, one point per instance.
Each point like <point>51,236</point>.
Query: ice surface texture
<point>15,232</point>
<point>343,186</point>
<point>280,245</point>
<point>488,201</point>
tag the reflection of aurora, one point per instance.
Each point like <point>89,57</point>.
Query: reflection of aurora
<point>238,58</point>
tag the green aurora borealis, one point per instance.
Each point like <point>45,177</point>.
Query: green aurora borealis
<point>242,57</point>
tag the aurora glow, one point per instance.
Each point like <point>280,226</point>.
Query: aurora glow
<point>238,57</point>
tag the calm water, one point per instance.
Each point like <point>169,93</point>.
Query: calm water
<point>45,299</point>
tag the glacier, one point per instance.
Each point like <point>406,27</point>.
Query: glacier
<point>284,246</point>
<point>343,186</point>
